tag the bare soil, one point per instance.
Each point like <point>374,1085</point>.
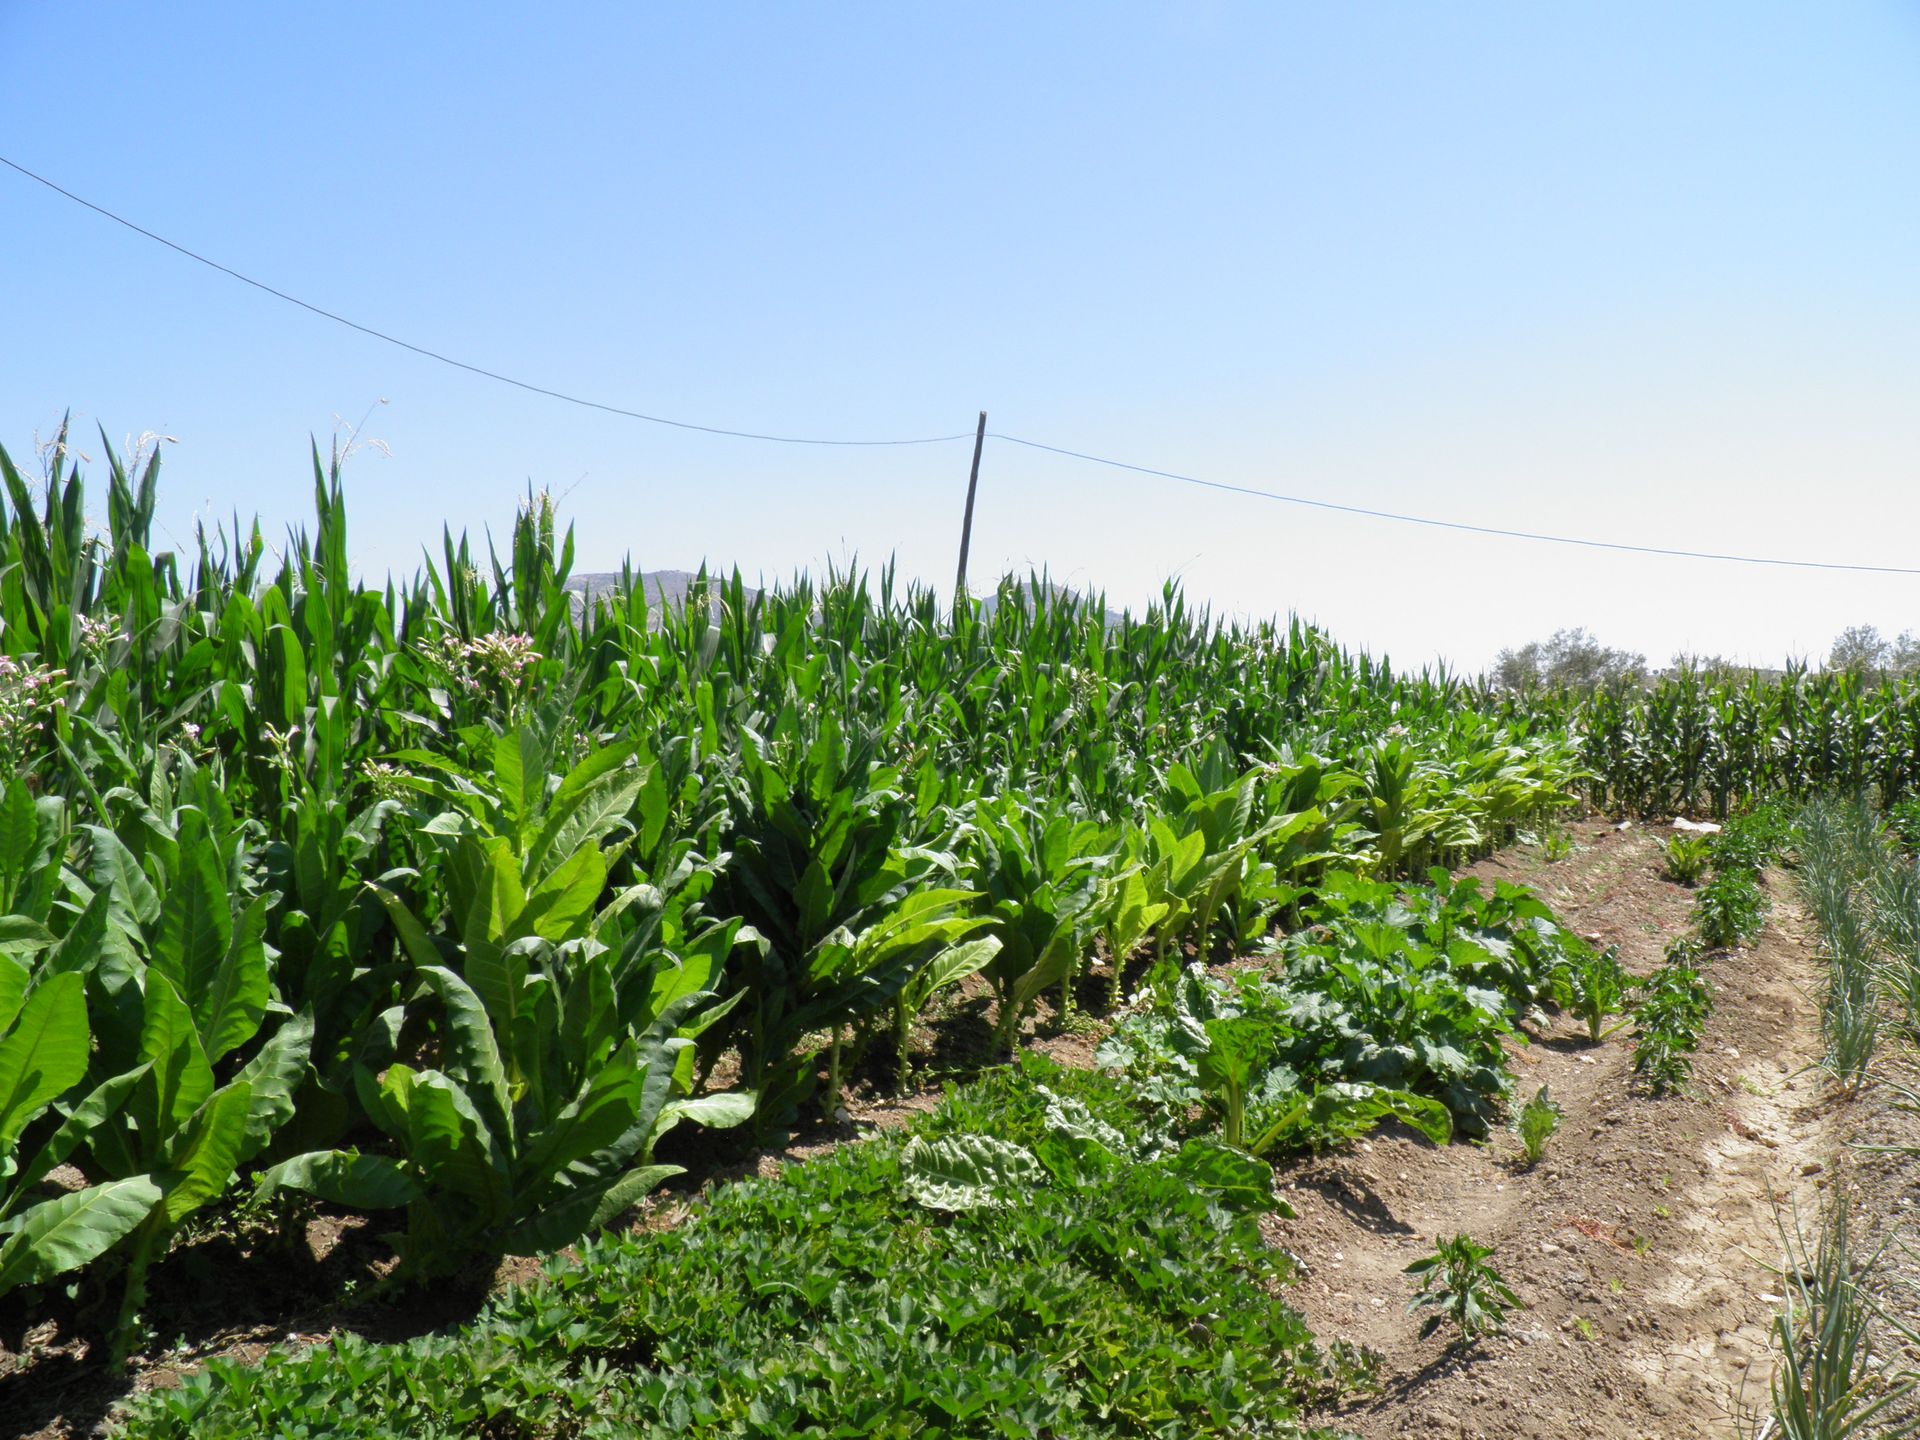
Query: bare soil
<point>1641,1243</point>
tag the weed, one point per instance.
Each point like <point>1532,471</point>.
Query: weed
<point>1903,820</point>
<point>1555,841</point>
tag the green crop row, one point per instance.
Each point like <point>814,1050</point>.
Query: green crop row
<point>1692,742</point>
<point>448,899</point>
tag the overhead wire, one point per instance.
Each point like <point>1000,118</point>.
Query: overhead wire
<point>448,359</point>
<point>1462,525</point>
<point>1341,507</point>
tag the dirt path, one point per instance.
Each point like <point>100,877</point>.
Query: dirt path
<point>1639,1243</point>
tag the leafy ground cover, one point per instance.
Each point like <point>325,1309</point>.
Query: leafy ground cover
<point>1083,1274</point>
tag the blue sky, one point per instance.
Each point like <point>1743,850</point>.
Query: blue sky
<point>1636,272</point>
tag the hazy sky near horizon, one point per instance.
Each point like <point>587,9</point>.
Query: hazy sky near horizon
<point>1636,272</point>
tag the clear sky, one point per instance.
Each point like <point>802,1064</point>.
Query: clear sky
<point>1639,272</point>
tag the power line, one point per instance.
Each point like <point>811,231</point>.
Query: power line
<point>448,359</point>
<point>1453,524</point>
<point>561,395</point>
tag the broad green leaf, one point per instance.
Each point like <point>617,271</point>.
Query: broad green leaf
<point>209,1150</point>
<point>87,1117</point>
<point>1072,1120</point>
<point>485,893</point>
<point>716,1112</point>
<point>14,978</point>
<point>585,1210</point>
<point>344,1177</point>
<point>112,868</point>
<point>593,799</point>
<point>72,1230</point>
<point>519,773</point>
<point>43,1055</point>
<point>1242,1178</point>
<point>445,1140</point>
<point>181,1078</point>
<point>956,962</point>
<point>19,830</point>
<point>81,947</point>
<point>413,936</point>
<point>599,1123</point>
<point>561,906</point>
<point>20,934</point>
<point>229,1008</point>
<point>599,812</point>
<point>472,1054</point>
<point>814,897</point>
<point>968,1172</point>
<point>196,922</point>
<point>627,1191</point>
<point>274,1077</point>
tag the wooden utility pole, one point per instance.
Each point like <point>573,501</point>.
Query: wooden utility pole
<point>966,525</point>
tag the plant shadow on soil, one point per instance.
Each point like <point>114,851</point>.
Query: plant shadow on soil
<point>1355,1197</point>
<point>222,1293</point>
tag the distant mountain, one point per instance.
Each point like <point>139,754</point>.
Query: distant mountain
<point>668,589</point>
